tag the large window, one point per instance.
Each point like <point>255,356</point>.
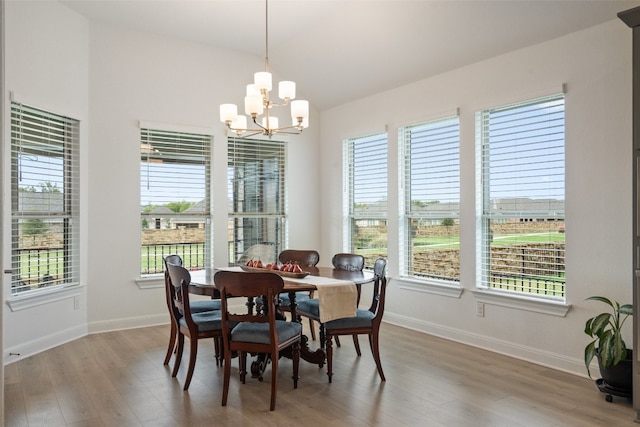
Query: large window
<point>175,207</point>
<point>431,183</point>
<point>365,166</point>
<point>521,192</point>
<point>44,199</point>
<point>257,202</point>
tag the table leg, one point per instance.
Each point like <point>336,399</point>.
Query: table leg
<point>316,357</point>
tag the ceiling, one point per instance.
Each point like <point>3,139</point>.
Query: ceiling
<point>341,50</point>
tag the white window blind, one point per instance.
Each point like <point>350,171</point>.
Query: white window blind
<point>365,166</point>
<point>523,192</point>
<point>432,199</point>
<point>45,199</point>
<point>175,171</point>
<point>257,199</point>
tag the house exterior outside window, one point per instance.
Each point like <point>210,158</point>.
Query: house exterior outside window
<point>521,194</point>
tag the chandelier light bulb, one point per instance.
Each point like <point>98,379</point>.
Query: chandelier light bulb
<point>262,80</point>
<point>228,112</point>
<point>286,90</point>
<point>253,105</point>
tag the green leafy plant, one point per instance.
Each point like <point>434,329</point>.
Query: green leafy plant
<point>606,328</point>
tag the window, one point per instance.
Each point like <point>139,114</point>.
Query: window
<point>44,199</point>
<point>365,166</point>
<point>522,151</point>
<point>431,237</point>
<point>175,170</point>
<point>256,193</point>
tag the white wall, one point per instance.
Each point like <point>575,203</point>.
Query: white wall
<point>595,66</point>
<point>46,66</point>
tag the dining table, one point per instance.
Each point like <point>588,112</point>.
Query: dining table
<point>338,292</point>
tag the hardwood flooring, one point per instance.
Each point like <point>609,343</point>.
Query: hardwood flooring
<point>117,379</point>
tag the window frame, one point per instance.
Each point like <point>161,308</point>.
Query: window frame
<point>351,175</point>
<point>266,162</point>
<point>179,146</point>
<point>484,201</point>
<point>51,142</point>
<point>439,137</point>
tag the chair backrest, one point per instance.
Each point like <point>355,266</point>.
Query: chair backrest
<point>249,284</point>
<point>350,262</point>
<point>379,286</point>
<point>307,258</point>
<point>172,259</point>
<point>178,283</point>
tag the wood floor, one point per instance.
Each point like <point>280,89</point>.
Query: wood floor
<point>117,379</point>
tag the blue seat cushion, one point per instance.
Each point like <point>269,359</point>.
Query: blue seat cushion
<point>362,319</point>
<point>205,305</point>
<point>206,321</point>
<point>310,306</point>
<point>259,332</point>
<point>286,302</point>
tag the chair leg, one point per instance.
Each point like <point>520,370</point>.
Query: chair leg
<point>227,374</point>
<point>193,353</point>
<point>274,379</point>
<point>172,343</point>
<point>375,350</point>
<point>329,351</point>
<point>312,328</point>
<point>216,350</point>
<point>337,338</point>
<point>180,346</point>
<point>242,360</point>
<point>296,363</point>
<point>356,344</point>
<point>322,336</point>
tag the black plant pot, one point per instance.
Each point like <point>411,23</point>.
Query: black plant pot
<point>620,376</point>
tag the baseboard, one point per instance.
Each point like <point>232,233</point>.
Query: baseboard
<point>128,323</point>
<point>530,354</point>
<point>39,345</point>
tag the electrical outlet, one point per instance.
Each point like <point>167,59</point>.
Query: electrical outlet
<point>480,309</point>
<point>76,302</point>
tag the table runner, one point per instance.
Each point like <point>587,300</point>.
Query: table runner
<point>337,298</point>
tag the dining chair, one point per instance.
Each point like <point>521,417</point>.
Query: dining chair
<point>364,322</point>
<point>306,259</point>
<point>196,307</point>
<point>195,326</point>
<point>255,333</point>
<point>311,308</point>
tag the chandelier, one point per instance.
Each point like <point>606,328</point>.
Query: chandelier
<point>257,103</point>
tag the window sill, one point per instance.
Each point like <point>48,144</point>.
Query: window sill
<point>45,296</point>
<point>444,289</point>
<point>153,281</point>
<point>549,307</point>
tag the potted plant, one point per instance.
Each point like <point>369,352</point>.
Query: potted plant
<point>614,358</point>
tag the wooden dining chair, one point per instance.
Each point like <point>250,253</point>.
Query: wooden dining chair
<point>364,322</point>
<point>307,259</point>
<point>196,307</point>
<point>194,326</point>
<point>311,308</point>
<point>255,333</point>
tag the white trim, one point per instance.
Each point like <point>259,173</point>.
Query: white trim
<point>430,287</point>
<point>425,118</point>
<point>129,323</point>
<point>29,348</point>
<point>573,365</point>
<point>152,282</point>
<point>42,297</point>
<point>200,130</point>
<point>537,305</point>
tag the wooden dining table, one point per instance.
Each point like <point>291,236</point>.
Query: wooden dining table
<point>202,283</point>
